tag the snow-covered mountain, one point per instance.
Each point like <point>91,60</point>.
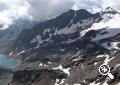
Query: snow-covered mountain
<point>76,42</point>
<point>108,24</point>
<point>60,33</point>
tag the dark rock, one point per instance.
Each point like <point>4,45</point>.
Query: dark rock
<point>40,76</point>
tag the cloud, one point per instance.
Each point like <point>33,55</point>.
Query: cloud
<point>45,9</point>
<point>33,9</point>
<point>3,6</point>
<point>10,9</point>
<point>96,5</point>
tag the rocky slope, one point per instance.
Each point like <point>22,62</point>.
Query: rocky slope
<point>76,43</point>
<point>9,34</point>
<point>54,37</point>
<point>37,77</point>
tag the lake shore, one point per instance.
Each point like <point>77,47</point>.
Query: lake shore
<point>8,62</point>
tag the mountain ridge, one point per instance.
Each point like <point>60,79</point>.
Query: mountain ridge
<point>76,42</point>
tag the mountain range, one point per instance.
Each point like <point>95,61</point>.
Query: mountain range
<point>67,50</point>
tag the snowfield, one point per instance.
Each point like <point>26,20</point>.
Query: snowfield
<point>110,24</point>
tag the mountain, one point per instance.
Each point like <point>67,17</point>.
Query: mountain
<point>76,43</point>
<point>9,34</point>
<point>15,28</point>
<point>55,35</point>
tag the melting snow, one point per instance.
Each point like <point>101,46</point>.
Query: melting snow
<point>113,45</point>
<point>44,65</point>
<point>76,84</point>
<point>74,27</point>
<point>95,63</point>
<point>65,30</point>
<point>117,65</point>
<point>107,59</point>
<point>11,53</point>
<point>39,40</point>
<point>46,30</point>
<point>40,64</point>
<point>71,41</point>
<point>58,83</point>
<point>21,53</point>
<point>65,70</point>
<point>112,26</point>
<point>105,83</point>
<point>99,56</point>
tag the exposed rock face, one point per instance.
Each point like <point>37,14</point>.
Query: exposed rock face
<point>76,42</point>
<point>5,71</point>
<point>11,32</point>
<point>37,77</point>
<point>54,37</point>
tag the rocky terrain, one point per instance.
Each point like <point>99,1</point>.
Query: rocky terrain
<point>68,50</point>
<point>10,33</point>
<point>5,75</point>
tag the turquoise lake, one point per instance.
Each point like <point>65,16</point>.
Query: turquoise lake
<point>7,62</point>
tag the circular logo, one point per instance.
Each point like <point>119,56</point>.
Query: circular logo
<point>104,69</point>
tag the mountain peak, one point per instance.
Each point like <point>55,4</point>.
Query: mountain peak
<point>80,11</point>
<point>83,11</point>
<point>110,10</point>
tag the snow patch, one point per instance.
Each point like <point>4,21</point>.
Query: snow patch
<point>76,84</point>
<point>38,40</point>
<point>95,63</point>
<point>71,41</point>
<point>11,53</point>
<point>21,52</point>
<point>65,30</point>
<point>111,26</point>
<point>46,31</point>
<point>56,83</point>
<point>100,56</point>
<point>113,45</point>
<point>77,59</point>
<point>64,70</point>
<point>105,83</point>
<point>40,64</point>
<point>77,54</point>
<point>107,58</point>
<point>44,65</point>
<point>118,83</point>
<point>117,65</point>
<point>73,28</point>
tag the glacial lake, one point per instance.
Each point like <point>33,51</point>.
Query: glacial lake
<point>7,62</point>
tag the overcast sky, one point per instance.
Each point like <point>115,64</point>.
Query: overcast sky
<point>45,9</point>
